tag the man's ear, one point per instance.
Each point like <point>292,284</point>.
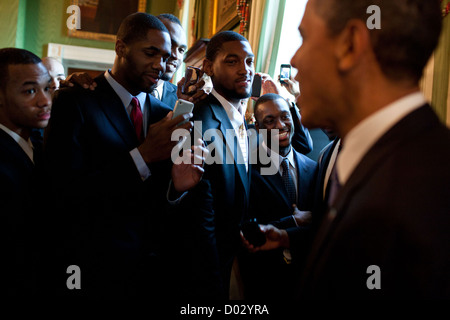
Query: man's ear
<point>207,67</point>
<point>257,126</point>
<point>120,48</point>
<point>352,44</point>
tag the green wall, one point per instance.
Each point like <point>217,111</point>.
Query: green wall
<point>8,22</point>
<point>31,24</point>
<point>156,7</point>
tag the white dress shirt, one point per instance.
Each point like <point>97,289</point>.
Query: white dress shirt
<point>362,137</point>
<point>159,89</point>
<point>26,145</point>
<point>126,98</point>
<point>236,116</point>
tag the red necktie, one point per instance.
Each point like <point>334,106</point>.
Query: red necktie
<point>137,119</point>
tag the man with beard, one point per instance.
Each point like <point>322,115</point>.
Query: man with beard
<point>166,91</point>
<point>107,155</point>
<point>222,197</point>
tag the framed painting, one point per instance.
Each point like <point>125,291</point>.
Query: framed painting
<point>226,15</point>
<point>100,19</point>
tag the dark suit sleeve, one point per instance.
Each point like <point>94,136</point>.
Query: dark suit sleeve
<point>68,154</point>
<point>301,141</point>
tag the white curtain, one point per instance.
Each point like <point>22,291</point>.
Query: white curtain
<point>256,21</point>
<point>264,32</point>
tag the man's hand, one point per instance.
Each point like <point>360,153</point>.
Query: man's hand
<point>302,218</point>
<point>291,86</point>
<point>81,79</point>
<point>275,238</point>
<point>267,85</point>
<point>158,144</point>
<point>189,170</point>
<point>196,92</point>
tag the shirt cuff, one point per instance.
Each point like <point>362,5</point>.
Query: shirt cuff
<point>141,166</point>
<point>171,193</point>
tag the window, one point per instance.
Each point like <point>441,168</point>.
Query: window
<point>290,39</point>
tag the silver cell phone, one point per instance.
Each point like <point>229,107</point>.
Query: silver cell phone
<point>182,107</point>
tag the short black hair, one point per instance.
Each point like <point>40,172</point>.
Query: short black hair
<point>136,26</point>
<point>265,98</point>
<point>409,31</point>
<point>170,17</point>
<point>11,56</point>
<point>216,42</point>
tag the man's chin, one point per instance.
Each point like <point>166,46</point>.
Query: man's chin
<point>167,76</point>
<point>148,89</point>
<point>244,95</point>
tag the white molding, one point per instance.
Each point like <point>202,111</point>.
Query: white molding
<point>81,57</point>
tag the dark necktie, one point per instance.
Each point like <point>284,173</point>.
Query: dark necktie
<point>288,182</point>
<point>335,186</point>
<point>137,119</point>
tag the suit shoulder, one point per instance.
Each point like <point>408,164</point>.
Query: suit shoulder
<point>171,85</point>
<point>309,162</point>
<point>202,110</point>
<point>155,103</point>
<point>74,96</point>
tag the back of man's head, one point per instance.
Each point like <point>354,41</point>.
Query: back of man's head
<point>136,26</point>
<point>170,17</point>
<point>13,56</point>
<point>409,31</point>
<point>216,42</point>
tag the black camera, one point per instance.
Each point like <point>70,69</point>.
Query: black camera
<point>253,233</point>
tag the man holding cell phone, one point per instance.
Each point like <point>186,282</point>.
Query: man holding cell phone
<point>108,156</point>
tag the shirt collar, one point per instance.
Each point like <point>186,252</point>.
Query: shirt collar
<point>160,87</point>
<point>276,159</point>
<point>234,114</point>
<point>123,93</point>
<point>26,145</point>
<point>362,137</point>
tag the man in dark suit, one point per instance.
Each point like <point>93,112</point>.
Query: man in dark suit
<point>107,154</point>
<point>25,103</point>
<point>385,234</point>
<point>270,274</point>
<point>165,90</point>
<point>224,191</point>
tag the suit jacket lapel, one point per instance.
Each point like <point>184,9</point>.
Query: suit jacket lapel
<point>15,149</point>
<point>301,173</point>
<point>276,182</point>
<point>323,163</point>
<point>414,123</point>
<point>225,124</point>
<point>169,94</point>
<point>115,111</point>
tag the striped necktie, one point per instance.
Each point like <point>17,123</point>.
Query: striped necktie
<point>288,182</point>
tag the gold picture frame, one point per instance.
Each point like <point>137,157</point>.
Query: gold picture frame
<point>100,19</point>
<point>225,16</point>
